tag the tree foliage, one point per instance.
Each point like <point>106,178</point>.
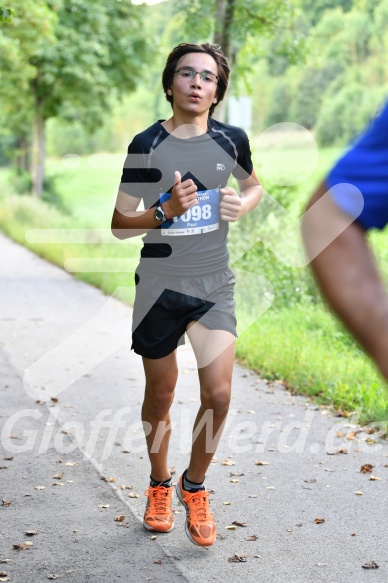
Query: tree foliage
<point>346,75</point>
<point>314,9</point>
<point>62,58</point>
<point>237,24</point>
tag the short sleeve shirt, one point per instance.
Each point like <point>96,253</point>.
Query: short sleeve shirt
<point>195,243</point>
<point>365,165</point>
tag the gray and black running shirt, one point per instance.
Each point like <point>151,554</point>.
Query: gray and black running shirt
<point>196,242</point>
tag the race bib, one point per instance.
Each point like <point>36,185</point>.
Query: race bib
<point>200,218</point>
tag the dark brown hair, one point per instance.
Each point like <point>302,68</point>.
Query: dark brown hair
<point>183,49</point>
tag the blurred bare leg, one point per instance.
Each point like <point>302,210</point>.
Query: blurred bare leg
<point>347,274</point>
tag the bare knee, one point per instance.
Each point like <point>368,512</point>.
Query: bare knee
<point>158,397</point>
<point>217,400</point>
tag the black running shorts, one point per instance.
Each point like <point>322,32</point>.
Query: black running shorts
<point>164,306</point>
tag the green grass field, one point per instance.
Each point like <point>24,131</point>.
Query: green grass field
<point>296,340</point>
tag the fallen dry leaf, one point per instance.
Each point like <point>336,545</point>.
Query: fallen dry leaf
<point>71,464</point>
<point>31,532</point>
<point>236,474</point>
<point>260,463</point>
<point>103,506</point>
<point>270,488</point>
<point>243,524</point>
<point>158,562</point>
<point>120,518</point>
<point>337,451</point>
<point>237,559</point>
<point>22,546</point>
<point>59,476</point>
<point>374,479</point>
<point>52,576</point>
<point>153,537</point>
<point>57,484</point>
<point>370,565</point>
<point>6,502</point>
<point>125,487</point>
<point>133,495</point>
<point>107,479</point>
<point>312,481</point>
<point>226,503</point>
<point>366,469</point>
<point>5,578</point>
<point>251,537</point>
<point>234,481</point>
<point>40,487</point>
<point>359,493</point>
<point>319,520</point>
<point>227,462</point>
<point>8,457</point>
<point>5,560</point>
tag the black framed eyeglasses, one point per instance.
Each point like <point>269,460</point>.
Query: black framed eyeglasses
<point>206,76</point>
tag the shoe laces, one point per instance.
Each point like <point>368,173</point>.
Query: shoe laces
<point>159,499</point>
<point>199,510</point>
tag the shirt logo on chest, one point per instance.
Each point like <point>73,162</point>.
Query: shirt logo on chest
<point>220,167</point>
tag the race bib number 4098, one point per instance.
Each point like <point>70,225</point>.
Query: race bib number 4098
<point>200,218</point>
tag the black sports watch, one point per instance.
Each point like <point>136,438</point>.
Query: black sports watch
<point>159,214</point>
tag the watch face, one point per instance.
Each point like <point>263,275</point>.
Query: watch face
<point>159,214</point>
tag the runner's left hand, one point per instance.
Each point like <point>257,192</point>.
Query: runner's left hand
<point>231,205</point>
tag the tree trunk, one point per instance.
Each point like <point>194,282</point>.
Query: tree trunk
<point>22,157</point>
<point>38,153</point>
<point>222,36</point>
<point>224,18</point>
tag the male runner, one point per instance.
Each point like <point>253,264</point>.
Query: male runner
<point>180,167</point>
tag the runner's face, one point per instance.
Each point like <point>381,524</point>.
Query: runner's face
<point>194,95</point>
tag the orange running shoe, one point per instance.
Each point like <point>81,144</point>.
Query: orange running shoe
<point>200,525</point>
<point>158,513</point>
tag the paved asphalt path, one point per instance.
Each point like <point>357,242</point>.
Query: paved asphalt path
<point>73,458</point>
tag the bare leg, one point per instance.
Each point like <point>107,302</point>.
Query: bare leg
<point>215,382</point>
<point>161,376</point>
<point>349,279</point>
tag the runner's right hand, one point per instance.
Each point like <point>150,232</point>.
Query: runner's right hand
<point>183,197</point>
